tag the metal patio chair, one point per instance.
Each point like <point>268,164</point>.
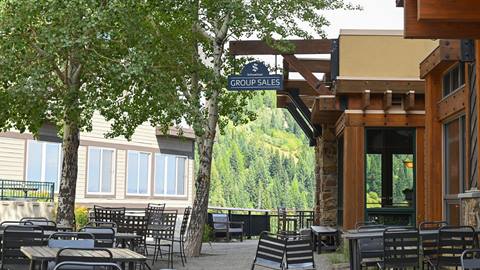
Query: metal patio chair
<point>109,214</point>
<point>400,249</point>
<point>471,259</point>
<point>14,237</point>
<point>165,237</point>
<point>452,241</point>
<point>370,249</point>
<point>71,240</point>
<point>47,225</point>
<point>104,236</point>
<point>154,212</point>
<point>299,254</point>
<point>222,224</point>
<point>270,251</point>
<point>69,265</point>
<point>75,255</point>
<point>183,231</point>
<point>429,241</point>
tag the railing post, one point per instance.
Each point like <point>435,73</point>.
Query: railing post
<point>52,192</point>
<point>250,221</point>
<point>2,189</point>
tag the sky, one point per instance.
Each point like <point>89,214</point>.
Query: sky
<point>376,14</point>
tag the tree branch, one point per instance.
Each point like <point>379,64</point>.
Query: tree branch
<point>45,55</point>
<point>202,32</point>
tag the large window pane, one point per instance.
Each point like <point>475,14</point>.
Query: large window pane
<point>181,176</point>
<point>159,174</point>
<point>94,170</point>
<point>34,166</point>
<point>374,180</point>
<point>52,163</point>
<point>402,179</point>
<point>107,158</point>
<point>143,174</point>
<point>452,157</point>
<point>171,174</point>
<point>132,178</point>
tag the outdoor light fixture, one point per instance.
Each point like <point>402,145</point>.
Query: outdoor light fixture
<point>408,163</point>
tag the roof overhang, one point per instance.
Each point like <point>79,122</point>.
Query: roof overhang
<point>446,53</point>
<point>378,85</point>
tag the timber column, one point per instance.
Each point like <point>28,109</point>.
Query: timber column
<point>326,177</point>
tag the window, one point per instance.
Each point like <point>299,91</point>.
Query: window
<point>454,172</point>
<point>453,79</point>
<point>138,173</point>
<point>169,174</point>
<point>100,175</point>
<point>44,162</point>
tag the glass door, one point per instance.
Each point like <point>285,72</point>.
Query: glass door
<point>390,176</point>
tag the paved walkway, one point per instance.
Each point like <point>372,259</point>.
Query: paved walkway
<point>222,256</point>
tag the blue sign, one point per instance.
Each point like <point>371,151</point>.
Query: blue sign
<point>255,76</point>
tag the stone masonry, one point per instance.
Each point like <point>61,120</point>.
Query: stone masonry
<point>326,178</point>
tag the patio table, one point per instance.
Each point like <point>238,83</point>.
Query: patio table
<point>354,235</point>
<point>324,231</point>
<point>43,255</point>
<point>124,238</point>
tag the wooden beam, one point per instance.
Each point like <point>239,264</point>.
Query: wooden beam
<point>451,105</point>
<point>378,85</point>
<point>283,100</point>
<point>286,69</point>
<point>313,81</point>
<point>302,86</point>
<point>387,100</point>
<point>325,110</point>
<point>365,99</point>
<point>260,47</point>
<point>410,100</point>
<point>446,53</point>
<point>448,10</point>
<point>314,65</point>
<point>433,30</point>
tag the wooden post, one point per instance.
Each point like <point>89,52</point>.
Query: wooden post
<point>477,67</point>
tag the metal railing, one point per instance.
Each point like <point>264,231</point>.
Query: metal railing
<point>26,190</point>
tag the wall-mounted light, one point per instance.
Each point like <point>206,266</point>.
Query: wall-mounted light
<point>408,163</point>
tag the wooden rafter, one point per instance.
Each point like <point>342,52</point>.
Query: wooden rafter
<point>310,78</point>
<point>314,65</point>
<point>447,52</point>
<point>365,99</point>
<point>387,100</point>
<point>260,47</point>
<point>409,100</point>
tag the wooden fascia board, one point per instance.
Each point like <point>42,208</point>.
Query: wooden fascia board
<point>448,10</point>
<point>433,30</point>
<point>260,47</point>
<point>378,85</point>
<point>447,51</point>
<point>307,74</point>
<point>452,104</point>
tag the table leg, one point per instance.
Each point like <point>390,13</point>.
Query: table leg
<point>352,247</point>
<point>131,266</point>
<point>32,265</point>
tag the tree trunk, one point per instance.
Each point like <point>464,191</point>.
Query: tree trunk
<point>66,195</point>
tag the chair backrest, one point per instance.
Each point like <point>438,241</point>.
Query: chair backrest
<point>69,265</point>
<point>471,259</point>
<point>452,241</point>
<point>47,225</point>
<point>401,247</point>
<point>101,255</point>
<point>12,222</point>
<point>220,221</point>
<point>169,220</point>
<point>104,236</point>
<point>14,237</point>
<point>71,240</point>
<point>135,224</point>
<point>109,214</point>
<point>185,220</point>
<point>154,212</point>
<point>34,218</point>
<point>429,241</point>
<point>299,254</point>
<point>270,250</point>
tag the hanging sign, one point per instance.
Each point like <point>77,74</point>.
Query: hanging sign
<point>255,76</point>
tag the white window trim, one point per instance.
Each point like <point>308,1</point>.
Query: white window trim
<point>113,171</point>
<point>138,166</point>
<point>185,177</point>
<point>42,160</point>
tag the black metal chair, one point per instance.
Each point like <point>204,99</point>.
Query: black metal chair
<point>400,249</point>
<point>270,251</point>
<point>222,224</point>
<point>429,240</point>
<point>78,255</point>
<point>183,232</point>
<point>47,225</point>
<point>154,212</point>
<point>69,265</point>
<point>370,249</point>
<point>287,224</point>
<point>6,223</point>
<point>471,259</point>
<point>104,236</point>
<point>109,214</point>
<point>137,225</point>
<point>14,237</point>
<point>299,254</point>
<point>452,241</point>
<point>71,240</point>
<point>165,236</point>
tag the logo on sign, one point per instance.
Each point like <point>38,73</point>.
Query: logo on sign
<point>255,76</point>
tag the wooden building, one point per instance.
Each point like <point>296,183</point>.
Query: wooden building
<point>451,105</point>
<point>365,116</point>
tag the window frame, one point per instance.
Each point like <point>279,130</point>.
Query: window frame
<point>149,180</point>
<point>42,166</point>
<point>165,172</point>
<point>461,81</point>
<point>113,171</point>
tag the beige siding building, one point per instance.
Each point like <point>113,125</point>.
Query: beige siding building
<point>151,168</point>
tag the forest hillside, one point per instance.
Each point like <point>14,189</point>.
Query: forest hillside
<point>264,164</point>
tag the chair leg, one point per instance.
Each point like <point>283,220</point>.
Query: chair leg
<point>183,251</point>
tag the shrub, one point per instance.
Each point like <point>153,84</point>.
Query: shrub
<point>207,234</point>
<point>81,216</point>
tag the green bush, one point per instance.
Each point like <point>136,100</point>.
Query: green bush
<point>207,234</point>
<point>81,216</point>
